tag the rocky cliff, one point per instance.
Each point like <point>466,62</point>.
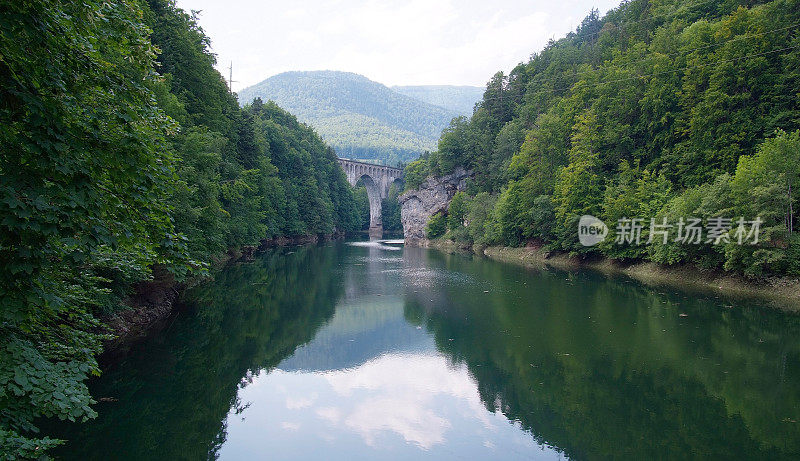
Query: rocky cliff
<point>433,195</point>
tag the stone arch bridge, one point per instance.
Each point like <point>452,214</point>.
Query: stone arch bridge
<point>377,179</point>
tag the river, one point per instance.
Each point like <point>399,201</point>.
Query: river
<point>374,351</point>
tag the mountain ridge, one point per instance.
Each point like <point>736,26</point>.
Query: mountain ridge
<point>360,118</point>
<point>458,98</point>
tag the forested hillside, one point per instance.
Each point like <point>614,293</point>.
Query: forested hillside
<point>124,155</point>
<point>459,99</point>
<point>360,118</point>
<point>661,109</point>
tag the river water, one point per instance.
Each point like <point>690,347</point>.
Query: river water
<point>375,351</point>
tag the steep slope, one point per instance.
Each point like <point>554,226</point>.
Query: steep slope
<point>358,117</point>
<point>659,111</point>
<point>460,99</point>
<point>144,170</point>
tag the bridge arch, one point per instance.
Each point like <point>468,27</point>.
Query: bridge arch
<point>377,179</point>
<point>374,196</point>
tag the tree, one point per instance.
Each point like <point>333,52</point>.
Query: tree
<point>579,186</point>
<point>457,210</point>
<point>765,187</point>
<point>84,172</point>
<point>634,194</point>
<point>416,172</point>
<point>390,211</point>
<point>101,189</point>
<point>436,226</point>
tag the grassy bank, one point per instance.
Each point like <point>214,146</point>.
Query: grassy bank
<point>775,292</point>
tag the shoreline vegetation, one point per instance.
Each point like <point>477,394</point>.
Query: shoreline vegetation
<point>127,169</point>
<point>779,292</point>
<point>653,119</point>
<point>155,300</point>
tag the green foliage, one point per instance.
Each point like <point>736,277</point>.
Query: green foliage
<point>765,186</point>
<point>481,226</point>
<point>656,110</point>
<point>416,172</point>
<point>317,197</point>
<point>436,226</point>
<point>578,191</point>
<point>698,203</point>
<point>635,193</point>
<point>189,65</point>
<point>522,216</point>
<point>99,184</point>
<point>457,211</point>
<point>197,210</point>
<point>454,147</point>
<point>390,211</point>
<point>83,172</point>
<point>362,206</point>
<point>359,118</point>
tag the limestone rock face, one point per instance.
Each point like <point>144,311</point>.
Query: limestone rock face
<point>433,195</point>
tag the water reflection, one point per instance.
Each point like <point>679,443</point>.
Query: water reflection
<point>370,351</point>
<point>394,406</point>
<point>170,396</point>
<point>605,368</point>
<point>370,385</point>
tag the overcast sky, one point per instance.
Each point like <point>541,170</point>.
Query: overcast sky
<point>415,42</point>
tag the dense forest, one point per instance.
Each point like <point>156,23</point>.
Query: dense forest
<point>661,109</point>
<point>459,99</point>
<point>360,118</point>
<point>124,155</point>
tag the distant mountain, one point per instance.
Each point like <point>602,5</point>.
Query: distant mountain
<point>360,118</point>
<point>459,99</point>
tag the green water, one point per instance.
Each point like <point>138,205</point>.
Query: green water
<point>372,352</point>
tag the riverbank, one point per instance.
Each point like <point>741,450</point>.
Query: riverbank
<point>154,301</point>
<point>781,293</point>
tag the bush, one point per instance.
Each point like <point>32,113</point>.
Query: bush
<point>702,202</point>
<point>460,235</point>
<point>765,186</point>
<point>481,222</point>
<point>635,194</point>
<point>416,172</point>
<point>437,226</point>
<point>457,211</point>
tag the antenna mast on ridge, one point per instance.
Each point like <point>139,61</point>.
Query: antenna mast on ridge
<point>230,78</point>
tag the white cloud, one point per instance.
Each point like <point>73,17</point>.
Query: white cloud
<point>290,426</point>
<point>412,42</point>
<point>331,414</point>
<point>296,403</point>
<point>405,404</point>
<point>396,393</point>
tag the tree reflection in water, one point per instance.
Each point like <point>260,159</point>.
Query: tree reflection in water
<point>606,368</point>
<point>174,390</point>
<point>371,351</point>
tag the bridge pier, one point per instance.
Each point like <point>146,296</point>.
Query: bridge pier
<point>377,180</point>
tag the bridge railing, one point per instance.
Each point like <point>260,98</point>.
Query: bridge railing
<point>345,161</point>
